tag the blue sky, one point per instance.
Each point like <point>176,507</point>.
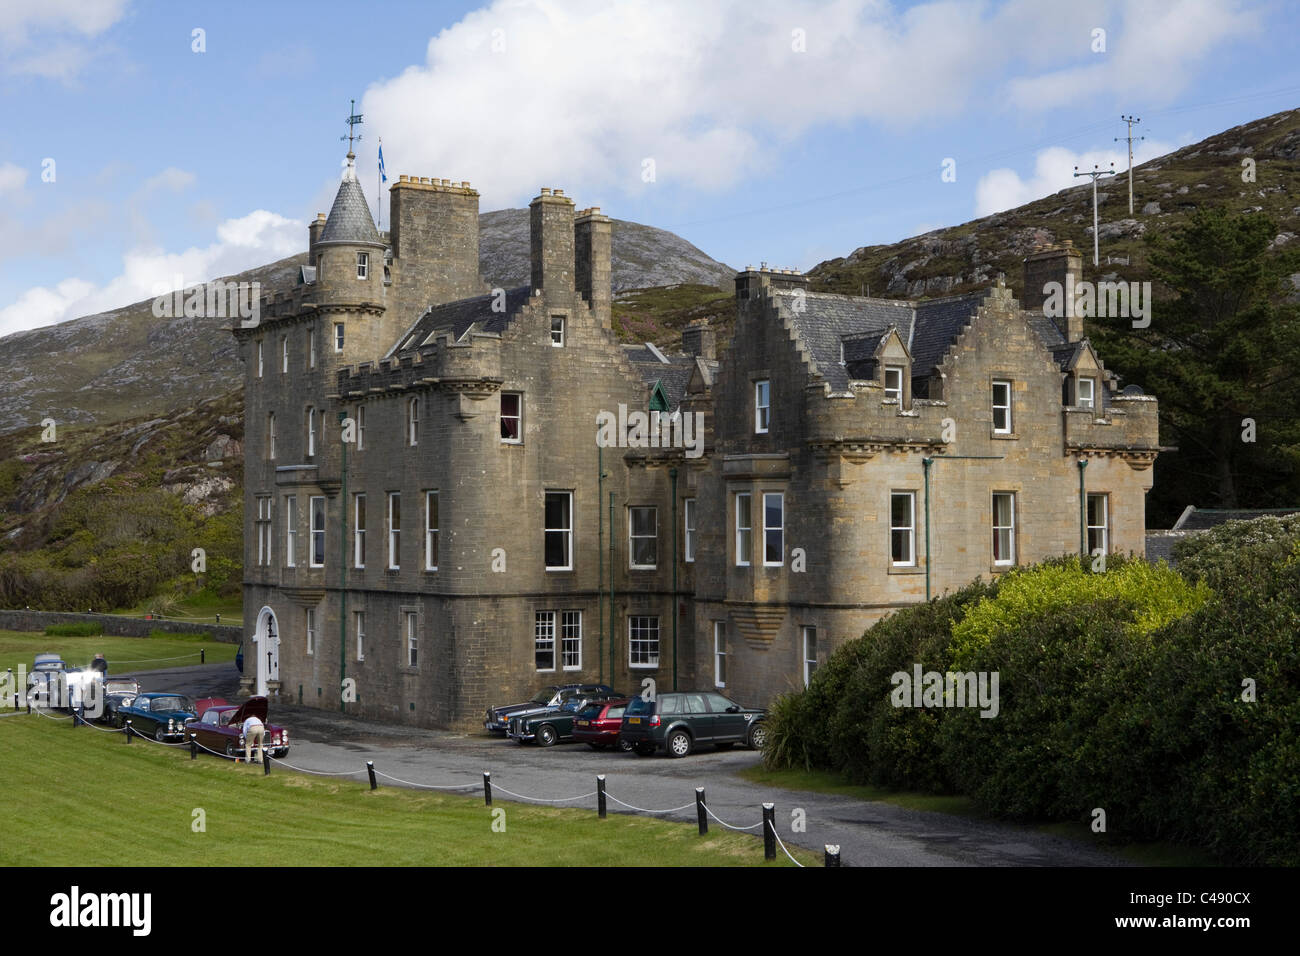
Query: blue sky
<point>785,132</point>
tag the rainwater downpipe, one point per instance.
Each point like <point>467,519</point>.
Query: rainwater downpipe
<point>600,562</point>
<point>672,475</point>
<point>611,585</point>
<point>1083,510</point>
<point>343,569</point>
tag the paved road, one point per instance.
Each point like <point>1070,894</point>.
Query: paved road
<point>869,833</point>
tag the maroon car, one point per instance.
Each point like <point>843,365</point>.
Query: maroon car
<point>598,723</point>
<point>220,727</point>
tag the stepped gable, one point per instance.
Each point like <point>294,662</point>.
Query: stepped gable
<point>938,323</point>
<point>456,318</point>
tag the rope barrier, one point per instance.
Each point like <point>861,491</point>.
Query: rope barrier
<point>426,786</point>
<point>155,660</point>
<point>685,806</point>
<point>782,846</point>
<point>496,787</point>
<point>37,710</point>
<point>319,773</point>
<point>725,823</point>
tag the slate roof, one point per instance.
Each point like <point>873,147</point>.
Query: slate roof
<point>455,318</point>
<point>1195,519</point>
<point>824,320</point>
<point>349,219</point>
<point>674,376</point>
<point>1160,545</point>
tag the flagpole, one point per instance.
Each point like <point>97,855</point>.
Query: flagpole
<point>379,196</point>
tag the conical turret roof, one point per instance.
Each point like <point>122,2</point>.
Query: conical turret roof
<point>349,220</point>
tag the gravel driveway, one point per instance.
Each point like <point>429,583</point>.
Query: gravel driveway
<point>869,833</point>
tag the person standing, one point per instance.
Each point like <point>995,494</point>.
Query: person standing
<point>254,729</point>
<point>99,665</point>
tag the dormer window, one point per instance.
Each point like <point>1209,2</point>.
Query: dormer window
<point>557,331</point>
<point>1086,397</point>
<point>363,264</point>
<point>894,383</point>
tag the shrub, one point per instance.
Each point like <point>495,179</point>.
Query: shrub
<point>76,629</point>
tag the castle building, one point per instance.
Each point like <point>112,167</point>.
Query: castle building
<point>457,494</point>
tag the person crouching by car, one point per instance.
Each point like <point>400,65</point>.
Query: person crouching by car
<point>254,729</point>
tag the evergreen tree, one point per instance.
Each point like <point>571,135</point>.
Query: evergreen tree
<point>1222,351</point>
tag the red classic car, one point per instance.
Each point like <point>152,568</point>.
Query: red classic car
<point>220,726</point>
<point>598,724</point>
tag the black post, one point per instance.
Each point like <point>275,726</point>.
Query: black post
<point>701,814</point>
<point>487,787</point>
<point>600,795</point>
<point>769,831</point>
<point>266,764</point>
<point>370,769</point>
<point>832,854</point>
<point>203,659</point>
<point>127,730</point>
<point>194,746</point>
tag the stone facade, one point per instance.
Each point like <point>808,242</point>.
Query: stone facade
<point>499,546</point>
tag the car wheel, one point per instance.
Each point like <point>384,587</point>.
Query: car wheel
<point>678,743</point>
<point>595,746</point>
<point>281,753</point>
<point>757,736</point>
<point>644,749</point>
<point>546,735</point>
<point>231,751</point>
<point>727,746</point>
<point>624,745</point>
<point>160,733</point>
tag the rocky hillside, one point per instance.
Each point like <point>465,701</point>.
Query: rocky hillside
<point>1165,190</point>
<point>126,362</point>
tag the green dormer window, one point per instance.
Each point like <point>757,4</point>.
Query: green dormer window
<point>658,398</point>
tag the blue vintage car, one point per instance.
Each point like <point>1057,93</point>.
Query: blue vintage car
<point>158,715</point>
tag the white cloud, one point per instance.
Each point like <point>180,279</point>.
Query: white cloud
<point>528,93</point>
<point>252,240</point>
<point>47,37</point>
<point>170,179</point>
<point>1001,189</point>
<point>1151,49</point>
<point>12,178</point>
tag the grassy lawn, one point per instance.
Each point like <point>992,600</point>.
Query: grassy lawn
<point>81,797</point>
<point>123,653</point>
<point>823,781</point>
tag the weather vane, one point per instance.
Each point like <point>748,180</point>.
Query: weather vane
<point>353,121</point>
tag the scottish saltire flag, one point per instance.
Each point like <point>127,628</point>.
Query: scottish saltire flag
<point>382,175</point>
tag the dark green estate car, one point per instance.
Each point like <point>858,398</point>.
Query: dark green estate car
<point>677,723</point>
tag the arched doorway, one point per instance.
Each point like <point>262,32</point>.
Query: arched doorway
<point>266,646</point>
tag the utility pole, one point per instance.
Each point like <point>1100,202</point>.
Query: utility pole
<point>1130,120</point>
<point>1097,173</point>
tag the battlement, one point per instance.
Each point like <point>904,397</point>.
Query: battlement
<point>475,359</point>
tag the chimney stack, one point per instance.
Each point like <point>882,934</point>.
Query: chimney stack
<point>1063,265</point>
<point>592,234</point>
<point>313,233</point>
<point>700,339</point>
<point>551,236</point>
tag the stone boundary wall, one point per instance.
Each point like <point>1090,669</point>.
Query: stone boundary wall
<point>117,626</point>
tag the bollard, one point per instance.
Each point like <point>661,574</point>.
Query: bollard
<point>769,831</point>
<point>203,659</point>
<point>700,813</point>
<point>266,764</point>
<point>127,730</point>
<point>194,747</point>
<point>218,618</point>
<point>487,787</point>
<point>370,769</point>
<point>600,795</point>
<point>832,854</point>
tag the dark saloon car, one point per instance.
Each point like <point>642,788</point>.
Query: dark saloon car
<point>118,692</point>
<point>677,723</point>
<point>551,726</point>
<point>548,698</point>
<point>220,727</point>
<point>157,715</point>
<point>598,725</point>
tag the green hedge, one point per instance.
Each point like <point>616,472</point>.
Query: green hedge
<point>1121,691</point>
<point>78,629</point>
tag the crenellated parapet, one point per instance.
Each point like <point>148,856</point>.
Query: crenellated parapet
<point>1130,430</point>
<point>473,363</point>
